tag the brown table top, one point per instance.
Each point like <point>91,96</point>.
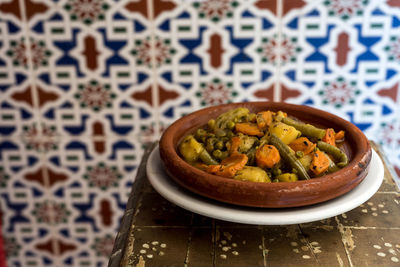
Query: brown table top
<point>155,232</point>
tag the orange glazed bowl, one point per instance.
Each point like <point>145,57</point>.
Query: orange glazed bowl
<point>267,195</point>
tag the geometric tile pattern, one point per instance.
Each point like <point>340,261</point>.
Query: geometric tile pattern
<point>84,83</point>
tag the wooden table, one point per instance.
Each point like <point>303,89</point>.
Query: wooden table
<point>155,232</point>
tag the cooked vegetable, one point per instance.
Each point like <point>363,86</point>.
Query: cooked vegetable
<point>284,132</point>
<point>320,163</point>
<point>228,119</point>
<point>200,134</point>
<point>221,155</point>
<point>287,177</point>
<point>339,136</point>
<point>303,144</point>
<point>263,146</point>
<point>190,149</point>
<point>210,143</point>
<point>288,155</point>
<point>248,128</point>
<point>252,117</point>
<point>267,156</point>
<point>251,154</point>
<point>337,154</point>
<point>306,129</point>
<point>206,158</point>
<point>242,143</point>
<point>264,119</point>
<point>235,143</point>
<point>306,161</point>
<point>228,166</point>
<point>253,174</point>
<point>332,166</point>
<point>329,137</point>
<point>247,142</point>
<point>280,115</point>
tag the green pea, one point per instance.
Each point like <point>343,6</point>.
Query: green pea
<point>219,145</point>
<point>210,144</point>
<point>200,133</point>
<point>230,134</point>
<point>211,123</point>
<point>276,171</point>
<point>217,153</point>
<point>231,124</point>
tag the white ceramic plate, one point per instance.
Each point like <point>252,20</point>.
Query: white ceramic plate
<point>178,195</point>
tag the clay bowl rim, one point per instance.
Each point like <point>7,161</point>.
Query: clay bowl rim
<point>171,159</point>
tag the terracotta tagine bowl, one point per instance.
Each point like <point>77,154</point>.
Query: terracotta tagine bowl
<point>267,195</point>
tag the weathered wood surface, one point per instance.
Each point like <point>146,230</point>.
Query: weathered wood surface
<point>162,234</point>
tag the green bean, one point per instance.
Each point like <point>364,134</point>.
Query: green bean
<point>306,129</point>
<point>289,157</point>
<point>338,154</point>
<point>332,166</point>
<point>206,158</point>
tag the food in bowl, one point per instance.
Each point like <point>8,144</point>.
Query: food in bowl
<point>263,194</point>
<point>266,146</point>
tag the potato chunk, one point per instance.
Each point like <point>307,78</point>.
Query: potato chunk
<point>190,149</point>
<point>253,174</point>
<point>284,132</point>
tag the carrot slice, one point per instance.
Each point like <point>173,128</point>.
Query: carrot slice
<point>329,137</point>
<point>264,119</point>
<point>303,144</point>
<point>235,143</point>
<point>339,136</point>
<point>248,128</point>
<point>267,156</point>
<point>229,166</point>
<point>319,163</point>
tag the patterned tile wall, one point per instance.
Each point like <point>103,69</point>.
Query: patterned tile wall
<point>84,83</point>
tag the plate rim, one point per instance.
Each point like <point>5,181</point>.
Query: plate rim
<point>188,200</point>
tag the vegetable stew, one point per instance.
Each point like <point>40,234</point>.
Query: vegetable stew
<point>264,147</point>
